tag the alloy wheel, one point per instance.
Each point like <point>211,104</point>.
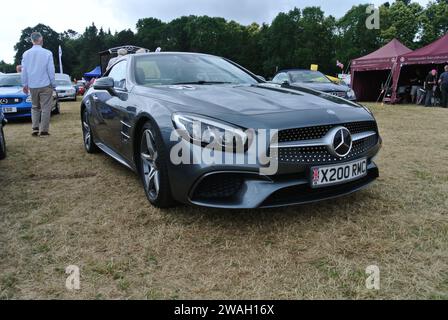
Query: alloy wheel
<point>86,130</point>
<point>149,156</point>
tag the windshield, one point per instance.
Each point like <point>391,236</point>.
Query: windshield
<point>10,81</point>
<point>171,69</point>
<point>308,76</point>
<point>63,83</point>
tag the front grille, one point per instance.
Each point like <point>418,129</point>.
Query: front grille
<point>9,101</point>
<point>320,154</point>
<point>317,132</point>
<point>218,186</point>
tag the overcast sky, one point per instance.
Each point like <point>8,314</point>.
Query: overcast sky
<point>122,14</point>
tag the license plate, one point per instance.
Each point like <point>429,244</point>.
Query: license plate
<point>9,109</point>
<point>337,174</point>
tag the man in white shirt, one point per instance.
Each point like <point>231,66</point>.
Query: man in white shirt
<point>38,77</point>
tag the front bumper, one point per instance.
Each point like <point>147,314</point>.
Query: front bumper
<point>243,187</point>
<point>66,96</point>
<point>23,111</point>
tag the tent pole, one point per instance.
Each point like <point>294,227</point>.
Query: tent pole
<point>385,88</point>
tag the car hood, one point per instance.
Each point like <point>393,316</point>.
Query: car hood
<point>12,91</point>
<point>325,87</point>
<point>263,105</point>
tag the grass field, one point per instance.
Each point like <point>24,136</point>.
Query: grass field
<point>60,206</point>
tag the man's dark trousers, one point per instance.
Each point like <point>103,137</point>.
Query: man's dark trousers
<point>445,95</point>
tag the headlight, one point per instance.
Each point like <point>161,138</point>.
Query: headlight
<point>351,94</point>
<point>28,99</point>
<point>210,133</point>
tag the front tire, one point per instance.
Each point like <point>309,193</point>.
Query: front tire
<point>2,144</point>
<point>153,167</point>
<point>87,134</point>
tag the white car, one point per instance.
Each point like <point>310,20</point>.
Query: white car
<point>65,89</point>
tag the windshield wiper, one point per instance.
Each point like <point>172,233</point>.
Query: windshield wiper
<point>202,82</point>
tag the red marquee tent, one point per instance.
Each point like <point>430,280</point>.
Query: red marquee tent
<point>373,70</point>
<point>433,54</point>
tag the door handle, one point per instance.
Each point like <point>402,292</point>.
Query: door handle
<point>95,98</point>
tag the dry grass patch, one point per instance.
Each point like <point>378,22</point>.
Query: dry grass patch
<point>61,206</point>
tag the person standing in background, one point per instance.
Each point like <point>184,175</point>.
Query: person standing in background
<point>38,77</point>
<point>430,86</point>
<point>19,68</point>
<point>444,87</point>
<point>416,85</point>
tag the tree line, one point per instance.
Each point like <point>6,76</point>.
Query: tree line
<point>297,38</point>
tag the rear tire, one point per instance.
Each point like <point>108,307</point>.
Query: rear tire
<point>87,135</point>
<point>2,144</point>
<point>58,109</point>
<point>153,169</point>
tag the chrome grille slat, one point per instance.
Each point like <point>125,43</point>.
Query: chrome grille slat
<point>297,144</point>
<point>317,132</point>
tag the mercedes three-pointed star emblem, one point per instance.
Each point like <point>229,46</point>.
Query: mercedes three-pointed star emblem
<point>341,143</point>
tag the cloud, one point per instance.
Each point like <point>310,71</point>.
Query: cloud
<point>123,14</point>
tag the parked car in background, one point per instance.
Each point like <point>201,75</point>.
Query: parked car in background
<point>80,87</point>
<point>2,136</point>
<point>315,80</point>
<point>14,103</point>
<point>64,87</point>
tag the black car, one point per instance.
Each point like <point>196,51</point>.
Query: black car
<point>314,80</point>
<point>2,136</point>
<point>200,129</point>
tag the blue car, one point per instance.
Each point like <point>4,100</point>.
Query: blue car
<point>2,136</point>
<point>14,103</point>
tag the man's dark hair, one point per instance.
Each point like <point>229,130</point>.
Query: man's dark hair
<point>35,37</point>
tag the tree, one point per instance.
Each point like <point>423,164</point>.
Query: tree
<point>294,39</point>
<point>6,67</point>
<point>434,21</point>
<point>280,41</point>
<point>52,40</point>
<point>402,20</point>
<point>151,33</point>
<point>353,38</point>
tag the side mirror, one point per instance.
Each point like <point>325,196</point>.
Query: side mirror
<point>261,78</point>
<point>106,83</point>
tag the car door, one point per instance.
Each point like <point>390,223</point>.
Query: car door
<point>110,107</point>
